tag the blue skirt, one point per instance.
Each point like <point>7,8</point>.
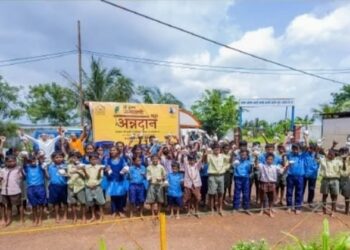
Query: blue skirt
<point>116,188</point>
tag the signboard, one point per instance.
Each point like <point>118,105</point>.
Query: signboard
<point>119,121</point>
<point>261,102</point>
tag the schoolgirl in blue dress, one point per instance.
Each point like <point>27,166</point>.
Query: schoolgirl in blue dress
<point>116,175</point>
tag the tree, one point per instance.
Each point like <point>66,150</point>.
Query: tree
<point>325,109</point>
<point>10,108</point>
<point>343,96</point>
<point>106,85</point>
<point>306,121</point>
<point>217,110</point>
<point>53,103</point>
<point>340,103</point>
<point>154,95</point>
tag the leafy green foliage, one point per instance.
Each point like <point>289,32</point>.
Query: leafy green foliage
<point>342,96</point>
<point>154,95</point>
<point>341,242</point>
<point>106,85</point>
<point>8,129</point>
<point>51,102</point>
<point>217,110</point>
<point>251,245</point>
<point>10,107</point>
<point>326,242</point>
<point>340,103</point>
<point>304,121</point>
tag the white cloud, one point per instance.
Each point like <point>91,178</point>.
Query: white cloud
<point>260,42</point>
<point>309,29</point>
<point>309,41</point>
<point>288,48</point>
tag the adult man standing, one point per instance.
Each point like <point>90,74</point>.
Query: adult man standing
<point>45,143</point>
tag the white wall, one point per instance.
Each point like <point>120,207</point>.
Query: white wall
<point>337,129</point>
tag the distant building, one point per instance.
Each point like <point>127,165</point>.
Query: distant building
<point>336,126</point>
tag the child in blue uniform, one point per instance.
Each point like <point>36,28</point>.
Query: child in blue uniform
<point>242,171</point>
<point>116,169</point>
<point>295,179</point>
<point>311,173</point>
<point>36,192</point>
<point>137,193</point>
<point>175,180</point>
<point>56,173</point>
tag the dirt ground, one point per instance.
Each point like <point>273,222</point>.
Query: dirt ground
<point>207,232</point>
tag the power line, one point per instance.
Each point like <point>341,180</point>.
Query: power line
<point>33,57</point>
<point>222,44</point>
<point>214,66</point>
<point>23,60</point>
<point>191,66</point>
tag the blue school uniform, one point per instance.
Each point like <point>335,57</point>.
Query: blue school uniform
<point>35,178</point>
<point>85,160</point>
<point>174,189</point>
<point>116,183</point>
<point>311,173</point>
<point>241,173</point>
<point>58,184</point>
<point>137,190</point>
<point>295,180</point>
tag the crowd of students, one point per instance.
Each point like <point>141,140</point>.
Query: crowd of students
<point>64,173</point>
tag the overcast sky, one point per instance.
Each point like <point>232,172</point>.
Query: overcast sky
<point>303,34</point>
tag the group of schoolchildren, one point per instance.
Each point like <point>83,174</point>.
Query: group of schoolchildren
<point>167,175</point>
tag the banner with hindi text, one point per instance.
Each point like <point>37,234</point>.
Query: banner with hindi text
<point>113,121</point>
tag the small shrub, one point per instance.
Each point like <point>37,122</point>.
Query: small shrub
<point>251,245</point>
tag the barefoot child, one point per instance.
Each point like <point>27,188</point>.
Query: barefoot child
<point>57,175</point>
<point>76,185</point>
<point>242,171</point>
<point>36,192</point>
<point>216,179</point>
<point>94,193</point>
<point>345,180</point>
<point>268,177</point>
<point>193,182</point>
<point>175,180</point>
<point>115,171</point>
<point>295,179</point>
<point>137,177</point>
<point>12,178</point>
<point>156,176</point>
<point>330,173</point>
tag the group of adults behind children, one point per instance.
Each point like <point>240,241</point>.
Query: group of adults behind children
<point>65,172</point>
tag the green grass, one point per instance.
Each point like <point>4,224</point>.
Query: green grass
<point>325,242</point>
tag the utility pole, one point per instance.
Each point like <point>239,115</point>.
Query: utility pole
<point>81,96</point>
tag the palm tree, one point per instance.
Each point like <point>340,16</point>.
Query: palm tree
<point>104,84</point>
<point>154,95</point>
<point>306,121</point>
<point>324,109</point>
